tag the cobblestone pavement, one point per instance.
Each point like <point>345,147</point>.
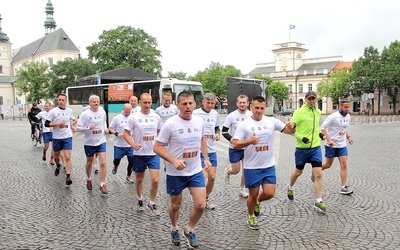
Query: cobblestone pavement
<point>38,212</point>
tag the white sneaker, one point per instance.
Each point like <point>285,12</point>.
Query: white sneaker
<point>243,193</point>
<point>209,205</point>
<point>226,176</point>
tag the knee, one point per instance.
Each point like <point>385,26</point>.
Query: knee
<point>200,207</point>
<point>174,207</point>
<point>211,177</point>
<point>155,181</point>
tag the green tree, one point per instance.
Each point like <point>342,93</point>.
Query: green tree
<point>335,86</point>
<point>126,47</point>
<point>390,71</point>
<point>268,80</point>
<point>279,91</point>
<point>33,82</point>
<point>212,78</point>
<point>178,75</point>
<point>365,74</point>
<point>64,74</point>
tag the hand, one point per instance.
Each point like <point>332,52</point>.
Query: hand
<point>73,129</point>
<point>207,165</point>
<point>106,131</point>
<point>92,126</point>
<point>61,123</point>
<point>137,146</point>
<point>217,137</point>
<point>306,140</point>
<point>120,135</point>
<point>254,139</point>
<point>330,143</point>
<point>179,164</point>
<point>350,140</point>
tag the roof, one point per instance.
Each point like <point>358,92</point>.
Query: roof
<point>8,79</point>
<point>126,74</point>
<point>343,65</point>
<point>262,70</point>
<point>57,40</point>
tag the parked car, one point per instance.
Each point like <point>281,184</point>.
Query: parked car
<point>286,112</point>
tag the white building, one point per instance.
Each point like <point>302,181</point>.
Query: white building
<point>54,46</point>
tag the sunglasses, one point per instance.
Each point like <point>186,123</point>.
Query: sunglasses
<point>311,98</point>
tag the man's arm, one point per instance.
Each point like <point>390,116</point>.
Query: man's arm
<point>239,144</point>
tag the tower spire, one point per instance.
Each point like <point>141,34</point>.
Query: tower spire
<point>3,36</point>
<point>49,23</point>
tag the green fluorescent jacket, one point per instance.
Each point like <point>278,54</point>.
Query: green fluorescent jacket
<point>307,125</point>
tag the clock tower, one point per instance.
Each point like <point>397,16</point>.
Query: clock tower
<point>288,56</point>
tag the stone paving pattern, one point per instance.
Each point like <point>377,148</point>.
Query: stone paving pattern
<point>38,212</point>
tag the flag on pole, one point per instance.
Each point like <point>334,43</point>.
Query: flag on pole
<point>291,26</point>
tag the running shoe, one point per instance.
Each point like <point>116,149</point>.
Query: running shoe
<point>320,207</point>
<point>209,205</point>
<point>129,180</point>
<point>346,190</point>
<point>191,239</point>
<point>243,193</point>
<point>154,209</point>
<point>114,171</point>
<point>89,185</point>
<point>290,193</point>
<point>175,239</point>
<point>95,169</point>
<point>226,176</point>
<point>257,209</point>
<point>68,181</point>
<point>140,206</point>
<point>252,222</point>
<point>51,161</point>
<point>44,158</point>
<point>312,176</point>
<point>57,171</point>
<point>103,189</point>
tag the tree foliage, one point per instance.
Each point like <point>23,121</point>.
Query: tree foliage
<point>64,74</point>
<point>178,75</point>
<point>335,86</point>
<point>212,78</point>
<point>279,91</point>
<point>390,71</point>
<point>34,81</point>
<point>126,47</point>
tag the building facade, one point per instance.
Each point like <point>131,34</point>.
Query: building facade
<point>301,74</point>
<point>54,46</point>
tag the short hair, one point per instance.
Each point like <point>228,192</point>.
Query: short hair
<point>241,97</point>
<point>209,97</point>
<point>344,101</point>
<point>184,93</point>
<point>167,93</point>
<point>258,98</point>
<point>144,94</point>
<point>62,94</point>
<point>93,96</point>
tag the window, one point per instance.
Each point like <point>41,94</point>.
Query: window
<point>148,87</point>
<point>290,88</point>
<point>300,88</point>
<point>309,87</point>
<point>50,61</point>
<point>1,69</point>
<point>1,100</point>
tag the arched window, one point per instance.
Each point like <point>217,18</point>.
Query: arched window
<point>50,61</point>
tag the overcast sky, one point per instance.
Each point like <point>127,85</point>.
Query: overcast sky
<point>191,34</point>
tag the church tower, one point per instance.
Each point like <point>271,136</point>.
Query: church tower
<point>5,53</point>
<point>49,24</point>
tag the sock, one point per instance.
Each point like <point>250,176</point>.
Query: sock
<point>139,198</point>
<point>58,165</point>
<point>319,200</point>
<point>151,203</point>
<point>190,229</point>
<point>89,178</point>
<point>68,175</point>
<point>102,184</point>
<point>174,228</point>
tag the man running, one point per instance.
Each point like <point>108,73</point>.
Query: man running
<point>47,132</point>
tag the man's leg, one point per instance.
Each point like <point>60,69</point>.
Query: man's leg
<point>318,181</point>
<point>199,199</point>
<point>174,209</point>
<point>154,175</point>
<point>139,184</point>
<point>343,169</point>
<point>211,180</point>
<point>103,166</point>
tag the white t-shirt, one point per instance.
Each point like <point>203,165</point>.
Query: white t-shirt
<point>233,119</point>
<point>184,143</point>
<point>336,125</point>
<point>43,115</point>
<point>166,113</point>
<point>143,129</point>
<point>118,123</point>
<point>95,136</point>
<point>211,121</point>
<point>135,110</point>
<point>56,115</point>
<point>262,154</point>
